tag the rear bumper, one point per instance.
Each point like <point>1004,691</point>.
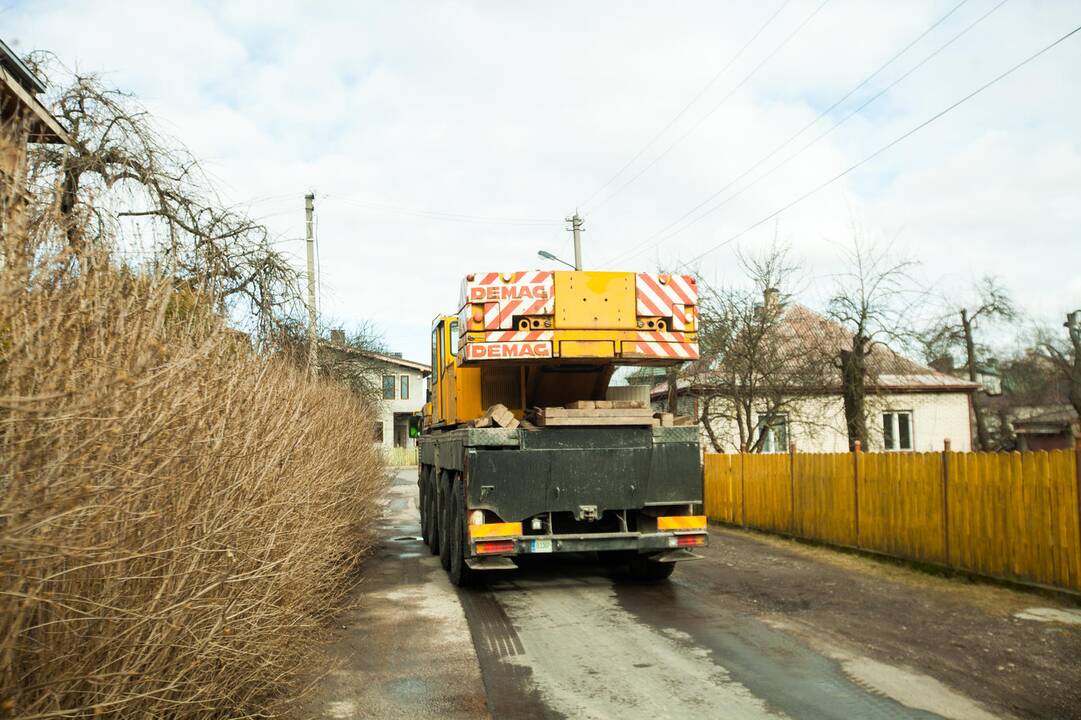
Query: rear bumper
<point>644,543</point>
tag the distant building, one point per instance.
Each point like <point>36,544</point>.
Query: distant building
<point>1050,429</point>
<point>910,407</point>
<point>399,384</point>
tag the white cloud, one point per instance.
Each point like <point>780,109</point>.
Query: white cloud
<point>524,110</point>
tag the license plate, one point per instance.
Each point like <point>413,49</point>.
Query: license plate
<point>542,546</point>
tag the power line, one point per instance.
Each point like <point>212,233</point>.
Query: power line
<point>716,107</point>
<point>446,216</point>
<point>663,234</point>
<point>885,147</point>
<point>687,107</point>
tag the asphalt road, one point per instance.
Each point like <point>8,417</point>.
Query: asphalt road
<point>573,639</point>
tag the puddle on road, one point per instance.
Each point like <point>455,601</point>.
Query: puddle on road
<point>1051,615</point>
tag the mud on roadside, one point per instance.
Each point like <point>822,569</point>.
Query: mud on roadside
<point>965,633</point>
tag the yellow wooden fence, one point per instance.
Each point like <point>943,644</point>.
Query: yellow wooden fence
<point>1007,515</point>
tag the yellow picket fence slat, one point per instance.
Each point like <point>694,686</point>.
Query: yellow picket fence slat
<point>1006,515</point>
<point>825,497</point>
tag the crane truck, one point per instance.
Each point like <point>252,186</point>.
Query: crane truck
<point>524,449</point>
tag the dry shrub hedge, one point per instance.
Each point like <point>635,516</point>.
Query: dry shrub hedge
<point>178,516</point>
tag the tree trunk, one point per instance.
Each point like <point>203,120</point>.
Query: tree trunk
<point>707,423</point>
<point>673,390</point>
<point>983,438</point>
<point>1073,328</point>
<point>69,194</point>
<point>853,378</point>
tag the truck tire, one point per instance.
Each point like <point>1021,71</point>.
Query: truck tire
<point>433,515</point>
<point>422,502</point>
<point>444,504</point>
<point>460,573</point>
<point>645,569</point>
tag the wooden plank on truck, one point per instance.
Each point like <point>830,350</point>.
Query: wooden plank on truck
<point>613,412</point>
<point>583,421</point>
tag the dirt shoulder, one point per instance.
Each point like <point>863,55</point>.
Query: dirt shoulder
<point>964,633</point>
<point>404,651</point>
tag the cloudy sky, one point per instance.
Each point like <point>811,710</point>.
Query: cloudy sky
<point>447,137</point>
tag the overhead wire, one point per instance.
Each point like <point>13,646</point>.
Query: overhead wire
<point>696,98</point>
<point>715,108</point>
<point>885,147</point>
<point>663,234</point>
<point>445,216</point>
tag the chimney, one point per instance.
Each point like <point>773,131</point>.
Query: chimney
<point>772,297</point>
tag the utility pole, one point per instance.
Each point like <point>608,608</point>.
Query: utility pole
<point>576,228</point>
<point>313,357</point>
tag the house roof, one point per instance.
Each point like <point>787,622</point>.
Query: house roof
<point>17,80</point>
<point>887,370</point>
<point>381,357</point>
<point>1053,421</point>
<point>14,65</point>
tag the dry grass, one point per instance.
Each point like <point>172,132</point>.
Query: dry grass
<point>178,516</point>
<point>401,457</point>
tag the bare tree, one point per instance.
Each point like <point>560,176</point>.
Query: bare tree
<point>872,302</point>
<point>756,367</point>
<point>1065,354</point>
<point>352,357</point>
<point>121,178</point>
<point>992,302</point>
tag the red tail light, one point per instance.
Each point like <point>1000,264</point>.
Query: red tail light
<point>499,546</point>
<point>686,540</point>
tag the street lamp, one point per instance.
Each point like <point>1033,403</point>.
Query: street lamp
<point>550,256</point>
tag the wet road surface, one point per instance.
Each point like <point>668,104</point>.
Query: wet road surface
<point>570,638</point>
<point>573,640</point>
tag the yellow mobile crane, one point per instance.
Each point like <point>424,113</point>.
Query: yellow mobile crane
<point>524,447</point>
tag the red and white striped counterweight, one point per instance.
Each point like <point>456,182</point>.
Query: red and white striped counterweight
<point>512,316</point>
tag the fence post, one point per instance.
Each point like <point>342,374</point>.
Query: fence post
<point>1077,474</point>
<point>742,484</point>
<point>792,485</point>
<point>856,490</point>
<point>946,500</point>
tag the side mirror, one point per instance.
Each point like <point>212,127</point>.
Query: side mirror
<point>414,425</point>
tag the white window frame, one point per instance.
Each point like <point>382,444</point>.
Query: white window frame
<point>895,431</point>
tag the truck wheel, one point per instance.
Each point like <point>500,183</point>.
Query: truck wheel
<point>422,486</point>
<point>646,569</point>
<point>460,573</point>
<point>445,501</point>
<point>431,498</point>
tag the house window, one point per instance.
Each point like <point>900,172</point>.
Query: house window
<point>774,432</point>
<point>388,387</point>
<point>377,432</point>
<point>403,383</point>
<point>897,430</point>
